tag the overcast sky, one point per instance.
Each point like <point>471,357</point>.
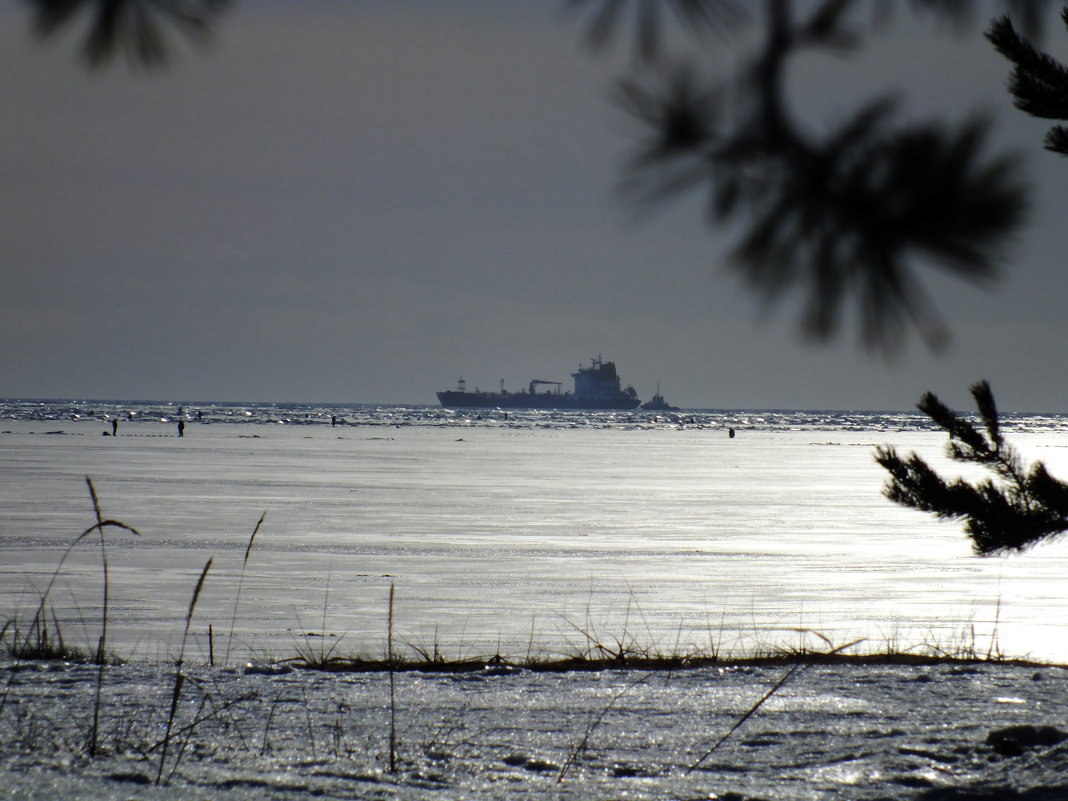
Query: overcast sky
<point>361,202</point>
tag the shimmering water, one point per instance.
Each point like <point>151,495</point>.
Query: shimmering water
<point>532,531</point>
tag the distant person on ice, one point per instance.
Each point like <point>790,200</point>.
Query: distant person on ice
<point>181,428</point>
<point>115,427</point>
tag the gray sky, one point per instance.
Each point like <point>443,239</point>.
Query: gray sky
<point>360,202</point>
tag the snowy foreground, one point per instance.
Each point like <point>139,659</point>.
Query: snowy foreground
<point>841,732</point>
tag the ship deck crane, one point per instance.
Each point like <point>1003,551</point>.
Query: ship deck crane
<point>542,381</point>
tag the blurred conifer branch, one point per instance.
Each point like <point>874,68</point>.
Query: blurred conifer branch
<point>844,217</point>
<point>136,29</point>
<point>1024,507</point>
<point>697,17</point>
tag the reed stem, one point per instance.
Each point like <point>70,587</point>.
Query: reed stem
<point>392,685</point>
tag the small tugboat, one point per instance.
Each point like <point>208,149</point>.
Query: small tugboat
<point>658,404</point>
<point>596,387</point>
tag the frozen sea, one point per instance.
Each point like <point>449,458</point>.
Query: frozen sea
<point>526,533</point>
<point>535,534</point>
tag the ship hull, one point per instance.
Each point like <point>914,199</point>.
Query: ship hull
<point>527,400</point>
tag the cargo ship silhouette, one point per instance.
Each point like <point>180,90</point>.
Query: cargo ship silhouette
<point>596,387</point>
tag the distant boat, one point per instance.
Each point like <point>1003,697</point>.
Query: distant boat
<point>596,387</point>
<point>658,404</point>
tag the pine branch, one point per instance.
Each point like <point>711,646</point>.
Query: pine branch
<point>1039,82</point>
<point>1027,506</point>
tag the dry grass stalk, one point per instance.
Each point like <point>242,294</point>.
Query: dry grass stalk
<point>240,582</point>
<point>179,677</point>
<point>392,685</point>
<point>582,744</point>
<point>35,644</point>
<point>752,710</point>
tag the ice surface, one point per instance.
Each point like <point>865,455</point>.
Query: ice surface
<point>542,531</point>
